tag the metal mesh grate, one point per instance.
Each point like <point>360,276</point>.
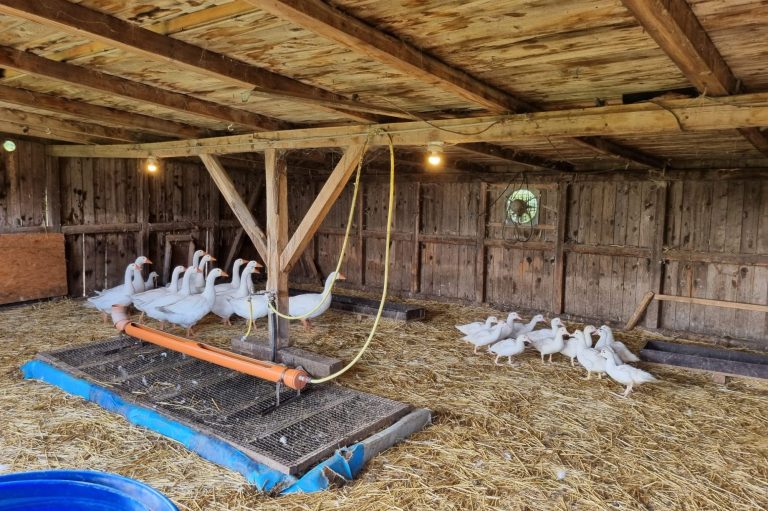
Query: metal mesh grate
<point>231,406</point>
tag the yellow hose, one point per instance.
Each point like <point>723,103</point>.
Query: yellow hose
<point>327,292</point>
<point>386,272</point>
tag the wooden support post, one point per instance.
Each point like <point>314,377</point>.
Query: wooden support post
<point>212,232</point>
<point>237,241</point>
<point>558,288</point>
<point>276,185</point>
<point>142,215</point>
<point>239,208</point>
<point>416,257</point>
<point>653,317</point>
<point>482,221</point>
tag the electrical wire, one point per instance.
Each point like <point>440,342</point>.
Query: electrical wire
<point>375,326</point>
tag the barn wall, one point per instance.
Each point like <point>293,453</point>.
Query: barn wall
<point>451,242</point>
<point>110,210</point>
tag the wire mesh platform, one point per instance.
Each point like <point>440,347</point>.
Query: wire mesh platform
<point>235,408</point>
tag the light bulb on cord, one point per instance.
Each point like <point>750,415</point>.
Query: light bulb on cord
<point>9,146</point>
<point>435,157</point>
<point>152,164</point>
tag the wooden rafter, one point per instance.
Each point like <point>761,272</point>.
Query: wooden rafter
<point>196,19</point>
<point>96,80</point>
<point>92,132</point>
<point>322,204</point>
<point>327,21</point>
<point>513,155</point>
<point>57,104</point>
<point>227,188</point>
<point>28,130</point>
<point>107,29</point>
<point>676,29</point>
<point>237,241</point>
<point>649,118</point>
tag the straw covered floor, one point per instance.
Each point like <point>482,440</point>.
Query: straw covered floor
<point>529,436</point>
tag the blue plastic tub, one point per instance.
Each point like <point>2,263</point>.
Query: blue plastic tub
<point>78,490</point>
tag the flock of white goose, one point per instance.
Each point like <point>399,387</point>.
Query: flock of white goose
<point>189,298</point>
<point>608,356</point>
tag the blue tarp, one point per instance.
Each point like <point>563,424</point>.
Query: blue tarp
<point>343,466</point>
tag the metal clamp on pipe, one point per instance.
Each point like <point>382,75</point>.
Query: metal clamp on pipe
<point>296,379</point>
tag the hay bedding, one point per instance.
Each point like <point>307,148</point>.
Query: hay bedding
<point>524,437</point>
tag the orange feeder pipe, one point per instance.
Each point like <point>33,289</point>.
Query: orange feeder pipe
<point>296,379</point>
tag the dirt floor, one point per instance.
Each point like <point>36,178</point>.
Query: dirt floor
<point>531,436</point>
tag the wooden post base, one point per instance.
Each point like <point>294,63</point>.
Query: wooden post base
<point>315,364</point>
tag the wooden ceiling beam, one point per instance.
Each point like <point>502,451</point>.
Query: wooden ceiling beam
<point>190,21</point>
<point>28,130</point>
<point>60,105</point>
<point>327,21</point>
<point>679,33</point>
<point>611,148</point>
<point>111,84</point>
<point>85,22</point>
<point>93,132</point>
<point>513,155</point>
<point>648,118</point>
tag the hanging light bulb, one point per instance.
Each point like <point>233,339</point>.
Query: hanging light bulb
<point>152,164</point>
<point>9,146</point>
<point>435,154</point>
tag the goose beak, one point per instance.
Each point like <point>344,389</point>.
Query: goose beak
<point>198,270</point>
<point>258,264</point>
<point>224,274</point>
<point>212,258</point>
<point>340,277</point>
<point>147,261</point>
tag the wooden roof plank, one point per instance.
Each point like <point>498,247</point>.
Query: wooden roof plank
<point>80,20</point>
<point>327,21</point>
<point>676,29</point>
<point>96,80</point>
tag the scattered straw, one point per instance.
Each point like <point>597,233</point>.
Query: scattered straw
<point>523,437</point>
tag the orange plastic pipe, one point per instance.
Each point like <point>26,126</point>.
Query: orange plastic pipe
<point>294,378</point>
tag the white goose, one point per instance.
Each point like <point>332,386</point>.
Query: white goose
<point>527,327</point>
<point>620,350</point>
<point>198,279</point>
<point>549,345</point>
<point>151,282</point>
<point>546,333</point>
<point>191,309</point>
<point>301,304</point>
<point>118,295</point>
<point>589,358</point>
<point>625,374</point>
<point>250,308</point>
<point>508,348</point>
<point>222,306</point>
<point>139,286</point>
<point>142,300</point>
<point>234,284</point>
<point>508,327</point>
<point>152,308</point>
<point>470,328</point>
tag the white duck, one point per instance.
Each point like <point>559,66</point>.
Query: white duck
<point>527,327</point>
<point>624,374</point>
<point>546,333</point>
<point>508,348</point>
<point>572,345</point>
<point>151,282</point>
<point>198,279</point>
<point>142,300</point>
<point>301,304</point>
<point>508,328</point>
<point>152,308</point>
<point>486,337</point>
<point>589,358</point>
<point>191,309</point>
<point>619,348</point>
<point>222,306</point>
<point>549,345</point>
<point>470,328</point>
<point>118,295</point>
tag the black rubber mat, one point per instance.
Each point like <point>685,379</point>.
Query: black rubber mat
<point>239,409</point>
